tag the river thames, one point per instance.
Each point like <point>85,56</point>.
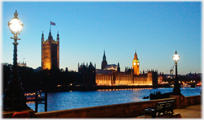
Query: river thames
<point>82,99</point>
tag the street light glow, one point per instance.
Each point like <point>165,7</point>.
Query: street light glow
<point>176,57</point>
<point>15,25</point>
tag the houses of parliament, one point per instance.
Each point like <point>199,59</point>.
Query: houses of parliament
<point>109,74</point>
<point>50,52</point>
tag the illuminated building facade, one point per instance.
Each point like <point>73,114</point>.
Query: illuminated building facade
<point>115,77</point>
<point>136,65</point>
<point>50,52</point>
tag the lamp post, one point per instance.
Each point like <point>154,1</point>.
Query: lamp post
<point>14,99</point>
<point>176,90</point>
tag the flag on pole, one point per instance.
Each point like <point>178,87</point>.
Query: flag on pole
<point>52,23</point>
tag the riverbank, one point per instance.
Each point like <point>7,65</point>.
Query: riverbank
<point>126,110</point>
<point>82,99</point>
<point>91,88</point>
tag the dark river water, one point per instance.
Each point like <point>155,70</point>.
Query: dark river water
<point>81,99</point>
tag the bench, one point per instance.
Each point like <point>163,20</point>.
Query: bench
<point>175,115</point>
<point>161,109</point>
<point>170,107</point>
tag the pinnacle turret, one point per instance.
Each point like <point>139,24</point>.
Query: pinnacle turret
<point>50,36</point>
<point>104,62</point>
<point>57,36</point>
<point>104,56</point>
<point>42,38</point>
<point>135,56</point>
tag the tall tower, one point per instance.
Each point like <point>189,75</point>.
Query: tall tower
<point>118,68</point>
<point>136,65</point>
<point>50,52</point>
<point>104,62</point>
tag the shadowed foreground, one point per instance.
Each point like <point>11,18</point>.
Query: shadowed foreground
<point>193,111</point>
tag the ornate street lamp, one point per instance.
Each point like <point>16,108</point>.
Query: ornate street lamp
<point>176,90</point>
<point>14,99</point>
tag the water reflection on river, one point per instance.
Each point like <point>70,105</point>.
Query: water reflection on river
<point>81,99</point>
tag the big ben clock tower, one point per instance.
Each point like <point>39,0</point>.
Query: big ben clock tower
<point>136,65</point>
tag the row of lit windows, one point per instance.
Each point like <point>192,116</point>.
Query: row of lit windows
<point>103,77</point>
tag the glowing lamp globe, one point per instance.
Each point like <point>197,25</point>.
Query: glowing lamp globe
<point>176,57</point>
<point>15,25</point>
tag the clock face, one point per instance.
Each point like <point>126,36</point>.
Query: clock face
<point>134,63</point>
<point>138,63</point>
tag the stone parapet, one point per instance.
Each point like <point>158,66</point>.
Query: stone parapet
<point>180,101</point>
<point>108,111</point>
<point>193,100</point>
<point>125,110</point>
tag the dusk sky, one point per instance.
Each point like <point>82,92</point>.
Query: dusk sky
<point>153,29</point>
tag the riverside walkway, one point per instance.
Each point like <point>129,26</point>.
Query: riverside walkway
<point>193,111</point>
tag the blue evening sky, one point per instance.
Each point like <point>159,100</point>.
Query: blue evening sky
<point>153,29</point>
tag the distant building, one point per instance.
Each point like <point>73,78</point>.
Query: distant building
<point>50,52</point>
<point>193,75</point>
<point>106,66</point>
<point>171,71</point>
<point>87,74</point>
<point>22,64</point>
<point>161,78</point>
<point>111,75</point>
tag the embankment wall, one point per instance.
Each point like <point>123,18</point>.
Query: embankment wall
<point>113,111</point>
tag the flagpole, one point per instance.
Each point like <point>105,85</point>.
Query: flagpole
<point>50,25</point>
